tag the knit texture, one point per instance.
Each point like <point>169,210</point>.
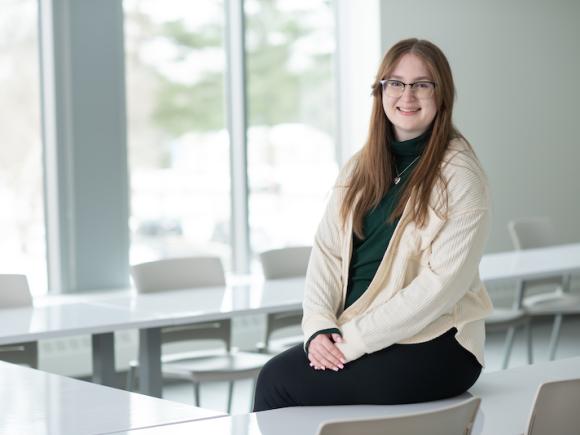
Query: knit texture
<point>428,280</point>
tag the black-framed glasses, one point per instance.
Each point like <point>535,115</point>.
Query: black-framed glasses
<point>422,89</point>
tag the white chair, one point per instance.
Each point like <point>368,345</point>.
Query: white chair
<point>456,419</point>
<point>555,409</point>
<point>510,319</point>
<point>283,263</point>
<point>201,366</point>
<point>14,293</point>
<point>532,233</point>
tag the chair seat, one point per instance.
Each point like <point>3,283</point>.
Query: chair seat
<point>505,315</point>
<point>281,344</point>
<point>553,303</point>
<point>217,367</point>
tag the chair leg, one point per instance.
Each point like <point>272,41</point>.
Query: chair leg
<point>253,393</point>
<point>530,341</point>
<point>555,336</point>
<point>230,395</point>
<point>132,379</point>
<point>509,342</point>
<point>196,393</point>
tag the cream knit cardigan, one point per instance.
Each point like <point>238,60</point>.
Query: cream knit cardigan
<point>428,280</point>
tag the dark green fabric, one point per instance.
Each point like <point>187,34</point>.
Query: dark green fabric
<point>368,253</point>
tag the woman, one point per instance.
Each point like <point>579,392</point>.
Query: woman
<point>393,305</point>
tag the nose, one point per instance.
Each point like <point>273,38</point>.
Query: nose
<point>408,94</point>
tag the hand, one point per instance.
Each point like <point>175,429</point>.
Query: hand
<point>323,353</point>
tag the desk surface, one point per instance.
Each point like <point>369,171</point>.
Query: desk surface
<point>103,312</point>
<point>109,311</point>
<point>507,397</point>
<point>39,403</point>
<point>531,263</point>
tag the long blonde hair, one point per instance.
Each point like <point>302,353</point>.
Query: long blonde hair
<point>373,171</point>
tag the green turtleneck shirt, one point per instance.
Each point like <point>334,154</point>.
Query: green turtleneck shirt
<point>368,253</point>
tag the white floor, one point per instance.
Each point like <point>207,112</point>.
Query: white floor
<point>213,396</point>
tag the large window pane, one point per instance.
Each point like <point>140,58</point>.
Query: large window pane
<point>22,231</point>
<point>178,143</point>
<point>291,149</point>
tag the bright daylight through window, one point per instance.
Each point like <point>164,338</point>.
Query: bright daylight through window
<point>178,139</point>
<point>22,231</point>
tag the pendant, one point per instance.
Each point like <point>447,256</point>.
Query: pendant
<point>397,179</point>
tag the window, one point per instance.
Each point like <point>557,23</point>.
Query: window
<point>178,142</point>
<point>22,230</point>
<point>290,49</point>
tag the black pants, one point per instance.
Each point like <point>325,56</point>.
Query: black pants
<point>401,373</point>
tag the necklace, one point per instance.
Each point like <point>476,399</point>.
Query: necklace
<point>398,177</point>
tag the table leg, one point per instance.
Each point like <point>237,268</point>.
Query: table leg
<point>150,381</point>
<point>104,359</point>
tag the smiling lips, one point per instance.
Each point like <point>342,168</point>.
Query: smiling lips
<point>407,112</point>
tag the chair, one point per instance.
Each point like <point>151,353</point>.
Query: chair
<point>14,292</point>
<point>456,419</point>
<point>529,233</point>
<point>205,366</point>
<point>506,319</point>
<point>283,263</point>
<point>555,409</point>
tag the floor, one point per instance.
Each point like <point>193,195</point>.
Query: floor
<point>213,396</point>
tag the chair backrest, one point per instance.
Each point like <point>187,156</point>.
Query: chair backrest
<point>454,420</point>
<point>533,232</point>
<point>178,273</point>
<point>14,291</point>
<point>530,233</point>
<point>285,262</point>
<point>278,321</point>
<point>281,263</point>
<point>555,409</point>
<point>185,273</point>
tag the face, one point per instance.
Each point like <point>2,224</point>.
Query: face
<point>409,115</point>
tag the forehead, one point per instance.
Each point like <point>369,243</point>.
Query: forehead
<point>410,67</point>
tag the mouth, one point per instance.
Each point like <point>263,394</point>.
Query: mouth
<point>408,111</point>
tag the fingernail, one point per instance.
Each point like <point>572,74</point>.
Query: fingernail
<point>335,369</point>
<point>341,366</point>
<point>342,360</point>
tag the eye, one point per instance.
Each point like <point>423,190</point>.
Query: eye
<point>395,84</point>
<point>423,85</point>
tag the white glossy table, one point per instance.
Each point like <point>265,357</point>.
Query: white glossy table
<point>531,263</point>
<point>39,403</point>
<point>180,307</point>
<point>105,312</point>
<point>68,319</point>
<point>507,397</point>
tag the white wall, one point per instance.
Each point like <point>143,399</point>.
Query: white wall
<point>359,45</point>
<point>517,70</point>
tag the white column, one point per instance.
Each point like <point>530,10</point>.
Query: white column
<point>236,103</point>
<point>84,132</point>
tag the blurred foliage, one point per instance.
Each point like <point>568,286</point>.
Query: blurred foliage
<point>277,90</point>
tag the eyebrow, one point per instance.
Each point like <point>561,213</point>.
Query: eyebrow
<point>414,80</point>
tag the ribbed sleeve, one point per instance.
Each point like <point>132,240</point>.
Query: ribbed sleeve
<point>323,287</point>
